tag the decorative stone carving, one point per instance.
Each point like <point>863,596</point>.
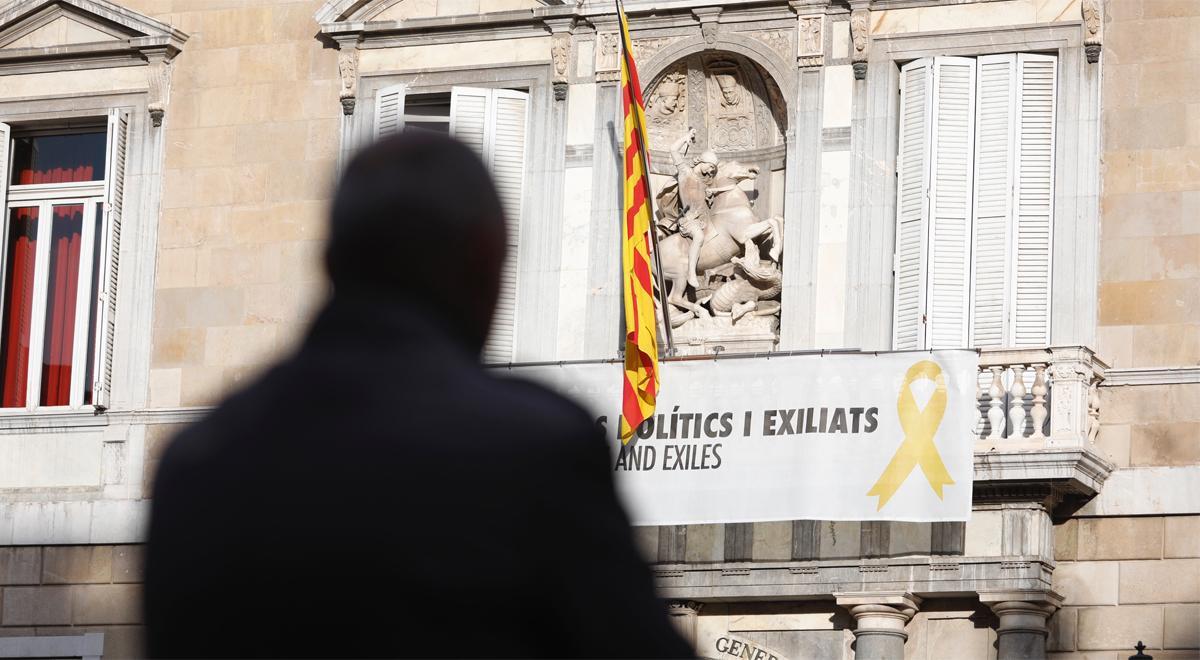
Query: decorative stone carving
<point>712,250</point>
<point>709,26</point>
<point>718,222</point>
<point>860,25</point>
<point>667,106</point>
<point>779,41</point>
<point>811,44</point>
<point>560,55</point>
<point>348,72</point>
<point>608,52</point>
<point>644,49</point>
<point>1093,28</point>
<point>159,91</point>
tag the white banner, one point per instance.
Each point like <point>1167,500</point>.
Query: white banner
<point>842,436</point>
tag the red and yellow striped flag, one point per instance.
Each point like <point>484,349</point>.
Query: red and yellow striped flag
<point>641,344</point>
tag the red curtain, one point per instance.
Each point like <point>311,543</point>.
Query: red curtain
<point>18,306</point>
<point>57,175</point>
<point>63,289</point>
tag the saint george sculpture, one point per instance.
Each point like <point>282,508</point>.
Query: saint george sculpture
<point>720,260</point>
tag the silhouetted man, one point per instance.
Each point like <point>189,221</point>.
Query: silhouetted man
<point>378,493</point>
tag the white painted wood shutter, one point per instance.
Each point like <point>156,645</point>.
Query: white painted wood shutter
<point>494,123</point>
<point>1014,201</point>
<point>389,110</point>
<point>951,167</point>
<point>106,304</point>
<point>912,201</point>
<point>993,208</point>
<point>1034,197</point>
<point>932,269</point>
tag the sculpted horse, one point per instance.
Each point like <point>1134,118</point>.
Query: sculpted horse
<point>739,232</point>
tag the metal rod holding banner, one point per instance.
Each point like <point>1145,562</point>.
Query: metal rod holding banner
<point>644,151</point>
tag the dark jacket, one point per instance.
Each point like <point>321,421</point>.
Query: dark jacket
<point>380,494</point>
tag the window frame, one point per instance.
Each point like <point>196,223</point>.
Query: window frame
<point>128,323</point>
<point>873,153</point>
<point>533,327</point>
<point>92,195</point>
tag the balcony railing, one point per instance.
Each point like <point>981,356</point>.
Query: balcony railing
<point>1036,398</point>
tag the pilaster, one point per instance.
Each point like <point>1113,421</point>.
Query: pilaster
<point>683,615</point>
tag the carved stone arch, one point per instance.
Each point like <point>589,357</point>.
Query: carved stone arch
<point>782,72</point>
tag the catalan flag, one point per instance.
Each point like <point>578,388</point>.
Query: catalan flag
<point>641,345</point>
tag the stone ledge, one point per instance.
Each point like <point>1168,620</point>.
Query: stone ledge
<point>1079,472</point>
<point>926,576</point>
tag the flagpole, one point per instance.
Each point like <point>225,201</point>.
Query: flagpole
<point>644,151</point>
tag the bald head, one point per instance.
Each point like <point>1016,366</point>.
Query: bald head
<point>416,218</point>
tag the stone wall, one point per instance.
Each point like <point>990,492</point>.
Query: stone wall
<point>72,590</point>
<point>1126,580</point>
<point>1150,205</point>
<point>251,135</point>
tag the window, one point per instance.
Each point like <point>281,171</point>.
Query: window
<point>493,122</point>
<point>975,195</point>
<point>62,207</point>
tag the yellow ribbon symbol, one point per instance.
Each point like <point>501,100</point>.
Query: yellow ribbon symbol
<point>919,428</point>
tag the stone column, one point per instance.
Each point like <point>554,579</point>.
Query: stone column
<point>880,619</point>
<point>683,614</point>
<point>1022,631</point>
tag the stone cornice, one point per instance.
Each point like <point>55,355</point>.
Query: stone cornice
<point>1072,471</point>
<point>1152,376</point>
<point>850,577</point>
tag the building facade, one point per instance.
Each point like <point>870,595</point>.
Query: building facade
<point>1018,176</point>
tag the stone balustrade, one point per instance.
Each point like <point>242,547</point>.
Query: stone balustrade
<point>1038,398</point>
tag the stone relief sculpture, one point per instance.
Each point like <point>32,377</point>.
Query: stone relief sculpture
<point>711,249</point>
<point>716,123</point>
<point>811,50</point>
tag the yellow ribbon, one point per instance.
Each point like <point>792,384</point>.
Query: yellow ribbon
<point>919,428</point>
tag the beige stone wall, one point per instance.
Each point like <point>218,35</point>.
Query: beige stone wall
<point>71,590</point>
<point>1125,580</point>
<point>1150,217</point>
<point>251,139</point>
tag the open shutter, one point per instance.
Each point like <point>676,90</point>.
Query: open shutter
<point>1034,197</point>
<point>494,122</point>
<point>912,170</point>
<point>508,170</point>
<point>389,110</point>
<point>106,304</point>
<point>950,179</point>
<point>995,139</point>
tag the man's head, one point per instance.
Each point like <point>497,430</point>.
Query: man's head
<point>416,218</point>
<point>706,165</point>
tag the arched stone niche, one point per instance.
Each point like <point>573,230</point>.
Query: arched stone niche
<point>738,111</point>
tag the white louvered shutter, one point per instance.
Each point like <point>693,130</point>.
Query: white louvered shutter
<point>389,110</point>
<point>995,139</point>
<point>912,170</point>
<point>106,304</point>
<point>950,177</point>
<point>494,123</point>
<point>1034,197</point>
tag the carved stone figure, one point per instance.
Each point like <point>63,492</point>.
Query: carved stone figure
<point>812,42</point>
<point>607,56</point>
<point>668,95</point>
<point>728,251</point>
<point>731,91</point>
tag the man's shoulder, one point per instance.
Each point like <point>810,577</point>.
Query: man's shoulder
<point>528,402</point>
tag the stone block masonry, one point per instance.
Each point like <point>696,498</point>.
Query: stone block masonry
<point>72,590</point>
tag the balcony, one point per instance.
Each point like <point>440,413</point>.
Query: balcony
<point>1038,416</point>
